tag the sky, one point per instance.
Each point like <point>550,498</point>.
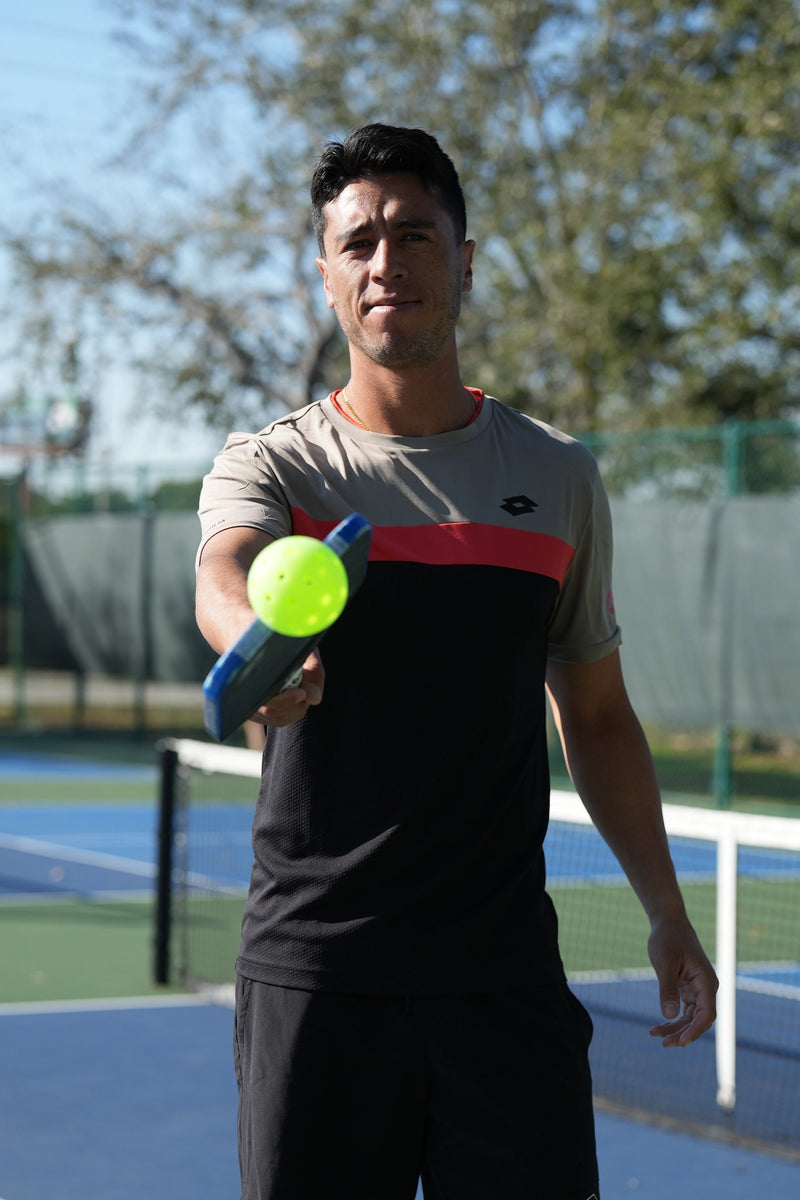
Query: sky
<point>62,80</point>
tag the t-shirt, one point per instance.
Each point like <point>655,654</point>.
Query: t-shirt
<point>398,831</point>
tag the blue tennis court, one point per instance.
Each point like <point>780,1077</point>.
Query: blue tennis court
<point>19,764</point>
<point>577,853</point>
<point>80,850</point>
<point>128,833</point>
<point>137,1097</point>
<point>134,1099</point>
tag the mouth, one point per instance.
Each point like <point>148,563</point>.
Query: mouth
<point>390,305</point>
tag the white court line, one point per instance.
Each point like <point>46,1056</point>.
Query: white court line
<point>744,982</point>
<point>27,899</point>
<point>108,1004</point>
<point>114,862</point>
<point>762,987</point>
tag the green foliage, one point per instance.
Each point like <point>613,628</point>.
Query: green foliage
<point>177,495</point>
<point>631,174</point>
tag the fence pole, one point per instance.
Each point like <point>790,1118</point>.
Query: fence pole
<point>721,770</point>
<point>18,493</point>
<point>732,436</point>
<point>143,667</point>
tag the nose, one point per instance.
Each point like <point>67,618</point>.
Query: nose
<point>387,261</point>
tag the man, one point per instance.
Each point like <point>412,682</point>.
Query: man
<point>401,1003</point>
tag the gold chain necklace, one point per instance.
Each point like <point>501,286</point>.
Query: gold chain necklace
<point>364,425</point>
<point>353,413</point>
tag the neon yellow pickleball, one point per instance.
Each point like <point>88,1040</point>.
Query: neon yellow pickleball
<point>297,585</point>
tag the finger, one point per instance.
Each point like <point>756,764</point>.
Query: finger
<point>284,709</point>
<point>669,1032</point>
<point>312,683</point>
<point>313,677</point>
<point>701,1020</point>
<point>697,1017</point>
<point>674,1033</point>
<point>291,704</point>
<point>668,973</point>
<point>679,1036</point>
<point>670,1002</point>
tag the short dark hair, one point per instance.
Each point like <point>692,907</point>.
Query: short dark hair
<point>385,150</point>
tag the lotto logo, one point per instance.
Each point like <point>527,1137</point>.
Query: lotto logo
<point>518,506</point>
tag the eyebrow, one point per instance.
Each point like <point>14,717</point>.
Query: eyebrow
<point>356,231</point>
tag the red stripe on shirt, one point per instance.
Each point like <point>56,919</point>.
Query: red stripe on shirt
<point>458,543</point>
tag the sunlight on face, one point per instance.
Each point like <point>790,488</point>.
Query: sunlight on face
<point>394,271</point>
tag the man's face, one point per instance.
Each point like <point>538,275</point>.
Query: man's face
<point>393,270</point>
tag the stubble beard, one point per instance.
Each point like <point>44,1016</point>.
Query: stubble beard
<point>397,350</point>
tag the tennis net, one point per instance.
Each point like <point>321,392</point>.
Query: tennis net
<point>740,875</point>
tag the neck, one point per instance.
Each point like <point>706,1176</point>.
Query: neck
<point>414,403</point>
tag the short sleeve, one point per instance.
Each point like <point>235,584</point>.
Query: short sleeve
<point>242,489</point>
<point>583,627</point>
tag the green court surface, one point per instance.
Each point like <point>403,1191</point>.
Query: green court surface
<point>77,950</point>
<point>81,791</point>
<point>76,947</point>
<point>625,928</point>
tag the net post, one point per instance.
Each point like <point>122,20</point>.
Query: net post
<point>168,756</point>
<point>727,867</point>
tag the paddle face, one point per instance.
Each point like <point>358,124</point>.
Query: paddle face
<point>263,663</point>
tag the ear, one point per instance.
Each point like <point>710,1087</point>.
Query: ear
<point>467,251</point>
<point>323,266</point>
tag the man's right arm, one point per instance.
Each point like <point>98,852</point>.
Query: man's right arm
<point>223,613</point>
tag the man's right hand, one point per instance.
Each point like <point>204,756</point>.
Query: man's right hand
<point>291,705</point>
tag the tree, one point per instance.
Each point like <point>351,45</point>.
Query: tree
<point>630,172</point>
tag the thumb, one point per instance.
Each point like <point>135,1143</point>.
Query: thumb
<point>667,961</point>
<point>313,677</point>
<point>670,1001</point>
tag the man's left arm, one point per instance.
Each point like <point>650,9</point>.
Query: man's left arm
<point>610,764</point>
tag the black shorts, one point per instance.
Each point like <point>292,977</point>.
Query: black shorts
<point>355,1097</point>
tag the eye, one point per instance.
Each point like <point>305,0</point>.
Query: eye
<point>356,246</point>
